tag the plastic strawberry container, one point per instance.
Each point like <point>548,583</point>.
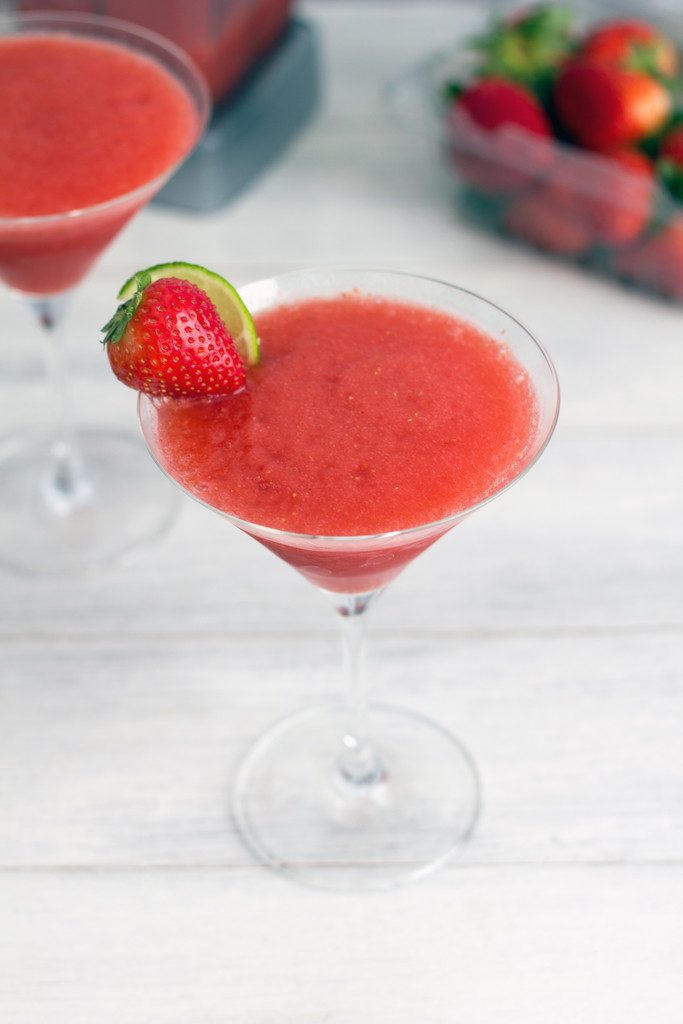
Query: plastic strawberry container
<point>555,196</point>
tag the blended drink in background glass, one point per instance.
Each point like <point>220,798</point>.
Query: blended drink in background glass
<point>385,408</point>
<point>95,115</point>
<point>82,122</point>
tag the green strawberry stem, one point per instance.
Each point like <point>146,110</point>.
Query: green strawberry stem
<point>528,50</point>
<point>115,328</point>
<point>644,58</point>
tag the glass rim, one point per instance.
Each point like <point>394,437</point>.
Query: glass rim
<point>76,18</point>
<point>276,534</point>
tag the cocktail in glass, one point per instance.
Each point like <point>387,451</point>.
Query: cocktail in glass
<point>96,115</point>
<point>387,408</point>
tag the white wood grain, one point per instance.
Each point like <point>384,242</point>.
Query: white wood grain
<point>123,753</point>
<point>568,945</point>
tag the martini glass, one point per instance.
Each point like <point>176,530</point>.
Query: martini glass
<point>75,500</point>
<point>352,795</point>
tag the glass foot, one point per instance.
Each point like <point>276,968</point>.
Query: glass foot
<point>51,526</point>
<point>299,815</point>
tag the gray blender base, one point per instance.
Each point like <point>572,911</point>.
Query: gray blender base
<point>252,126</point>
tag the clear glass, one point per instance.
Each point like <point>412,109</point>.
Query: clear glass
<point>75,500</point>
<point>354,795</point>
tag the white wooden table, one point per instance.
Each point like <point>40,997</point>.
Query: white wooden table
<point>547,631</point>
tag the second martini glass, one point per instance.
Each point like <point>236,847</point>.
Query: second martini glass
<point>352,795</point>
<point>75,500</point>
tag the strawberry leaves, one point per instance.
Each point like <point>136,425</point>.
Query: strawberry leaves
<point>527,49</point>
<point>115,328</point>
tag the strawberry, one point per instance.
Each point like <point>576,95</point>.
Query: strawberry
<point>604,107</point>
<point>672,145</point>
<point>538,219</point>
<point>501,135</point>
<point>168,339</point>
<point>657,262</point>
<point>494,102</point>
<point>670,162</point>
<point>611,196</point>
<point>623,211</point>
<point>633,45</point>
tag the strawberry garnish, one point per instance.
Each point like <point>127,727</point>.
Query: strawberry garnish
<point>168,339</point>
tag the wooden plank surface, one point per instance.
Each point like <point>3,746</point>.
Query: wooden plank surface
<point>564,945</point>
<point>547,631</point>
<point>133,744</point>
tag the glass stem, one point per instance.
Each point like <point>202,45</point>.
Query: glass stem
<point>65,485</point>
<point>358,763</point>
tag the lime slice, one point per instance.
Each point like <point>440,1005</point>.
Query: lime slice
<point>224,296</point>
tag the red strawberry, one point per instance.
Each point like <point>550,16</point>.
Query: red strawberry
<point>672,145</point>
<point>632,44</point>
<point>632,160</point>
<point>537,218</point>
<point>169,340</point>
<point>493,102</point>
<point>611,195</point>
<point>670,162</point>
<point>501,135</point>
<point>604,107</point>
<point>657,262</point>
<point>623,211</point>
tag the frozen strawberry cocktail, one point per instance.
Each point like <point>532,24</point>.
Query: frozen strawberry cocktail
<point>365,416</point>
<point>346,423</point>
<point>82,122</point>
<point>95,114</point>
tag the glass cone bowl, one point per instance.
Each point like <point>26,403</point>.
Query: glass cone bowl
<point>352,795</point>
<point>76,500</point>
<point>49,254</point>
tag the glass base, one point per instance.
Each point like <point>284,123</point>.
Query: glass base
<point>300,816</point>
<point>49,527</point>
